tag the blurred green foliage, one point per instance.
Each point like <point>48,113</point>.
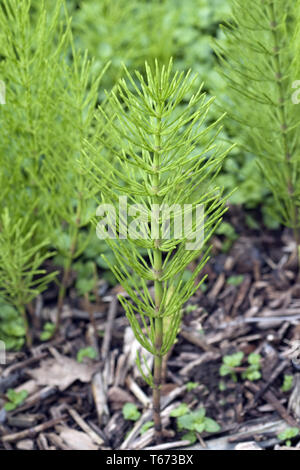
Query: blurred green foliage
<point>53,89</point>
<point>133,31</point>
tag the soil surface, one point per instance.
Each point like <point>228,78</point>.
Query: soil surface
<point>250,302</point>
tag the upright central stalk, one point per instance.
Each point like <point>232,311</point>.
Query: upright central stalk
<point>69,260</point>
<point>158,289</point>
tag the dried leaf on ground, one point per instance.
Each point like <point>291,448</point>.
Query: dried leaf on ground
<point>62,371</point>
<point>76,440</point>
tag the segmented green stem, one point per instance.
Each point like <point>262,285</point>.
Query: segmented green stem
<point>158,289</point>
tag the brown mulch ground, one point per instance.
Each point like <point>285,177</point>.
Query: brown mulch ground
<point>73,405</point>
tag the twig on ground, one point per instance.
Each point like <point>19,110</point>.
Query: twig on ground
<point>282,365</point>
<point>32,431</point>
<point>137,391</point>
<point>99,391</point>
<point>85,427</point>
<point>108,328</point>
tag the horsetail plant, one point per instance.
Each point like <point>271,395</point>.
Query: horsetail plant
<point>71,205</point>
<point>51,100</point>
<point>22,276</point>
<point>260,58</point>
<point>165,160</point>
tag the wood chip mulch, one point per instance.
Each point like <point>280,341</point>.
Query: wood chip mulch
<point>250,303</point>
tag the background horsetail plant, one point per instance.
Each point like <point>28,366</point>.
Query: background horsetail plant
<point>29,66</point>
<point>164,157</point>
<point>51,99</point>
<point>21,275</point>
<point>73,207</point>
<point>260,59</point>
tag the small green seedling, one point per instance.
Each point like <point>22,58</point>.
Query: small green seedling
<point>86,278</point>
<point>287,435</point>
<point>146,426</point>
<point>222,386</point>
<point>130,412</point>
<point>181,410</point>
<point>12,326</point>
<point>190,436</point>
<point>235,280</point>
<point>287,383</point>
<point>86,352</point>
<point>48,331</point>
<point>203,287</point>
<point>252,372</point>
<point>194,422</point>
<point>191,386</point>
<point>190,308</point>
<point>230,362</point>
<point>15,399</point>
<point>229,233</point>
